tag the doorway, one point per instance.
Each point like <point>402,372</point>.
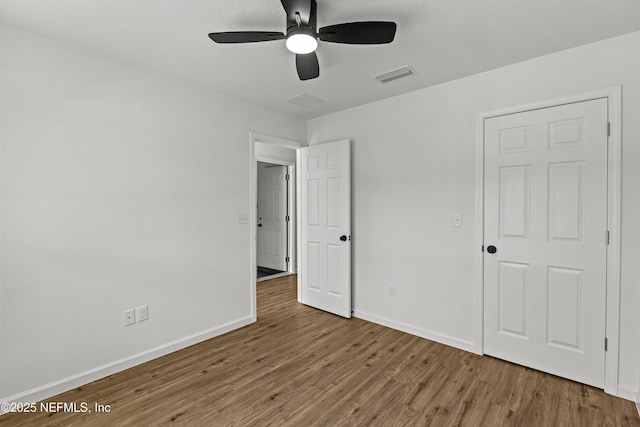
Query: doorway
<point>272,256</point>
<point>273,151</point>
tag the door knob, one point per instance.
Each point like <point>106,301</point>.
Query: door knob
<point>492,249</point>
<point>343,238</point>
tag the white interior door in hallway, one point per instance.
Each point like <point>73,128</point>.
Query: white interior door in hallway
<point>272,217</point>
<point>325,227</point>
<point>545,228</point>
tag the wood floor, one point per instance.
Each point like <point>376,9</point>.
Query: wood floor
<point>302,367</point>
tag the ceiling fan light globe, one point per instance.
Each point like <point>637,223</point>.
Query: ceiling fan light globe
<point>301,43</point>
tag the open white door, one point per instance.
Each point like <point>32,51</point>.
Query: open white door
<point>272,221</point>
<point>325,227</point>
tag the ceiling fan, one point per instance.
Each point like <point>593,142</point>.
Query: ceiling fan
<point>302,35</point>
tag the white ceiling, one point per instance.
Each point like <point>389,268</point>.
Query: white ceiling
<point>442,39</point>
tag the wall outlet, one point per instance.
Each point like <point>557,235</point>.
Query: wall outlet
<point>457,220</point>
<point>392,290</point>
<point>243,218</point>
<point>129,317</point>
<point>143,312</point>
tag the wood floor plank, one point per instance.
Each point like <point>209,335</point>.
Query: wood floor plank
<point>300,366</point>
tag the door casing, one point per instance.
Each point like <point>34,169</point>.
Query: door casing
<point>614,96</point>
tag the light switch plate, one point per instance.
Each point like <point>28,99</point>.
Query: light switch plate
<point>457,220</point>
<point>142,312</point>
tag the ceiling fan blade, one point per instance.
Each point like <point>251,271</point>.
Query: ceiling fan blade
<point>245,36</point>
<point>367,32</point>
<point>303,7</point>
<point>307,66</point>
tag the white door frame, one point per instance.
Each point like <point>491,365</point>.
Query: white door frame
<point>253,194</point>
<point>614,170</point>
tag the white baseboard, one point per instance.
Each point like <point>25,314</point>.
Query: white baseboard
<point>423,333</point>
<point>48,390</point>
<point>274,276</point>
<point>627,393</point>
<point>631,394</point>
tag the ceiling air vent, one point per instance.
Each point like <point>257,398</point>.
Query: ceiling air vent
<point>305,100</point>
<point>399,73</point>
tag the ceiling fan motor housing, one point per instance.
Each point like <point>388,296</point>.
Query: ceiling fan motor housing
<point>302,39</point>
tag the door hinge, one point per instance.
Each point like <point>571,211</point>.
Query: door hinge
<point>287,218</point>
<point>607,237</point>
<point>286,259</point>
<point>482,248</point>
<point>606,344</point>
<point>287,177</point>
<point>608,128</point>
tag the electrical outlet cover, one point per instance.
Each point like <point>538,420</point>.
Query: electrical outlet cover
<point>129,317</point>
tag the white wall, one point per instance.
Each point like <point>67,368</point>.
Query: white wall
<point>413,166</point>
<point>120,186</point>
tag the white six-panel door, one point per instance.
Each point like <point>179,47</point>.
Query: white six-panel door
<point>325,213</point>
<point>272,212</point>
<point>546,216</point>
